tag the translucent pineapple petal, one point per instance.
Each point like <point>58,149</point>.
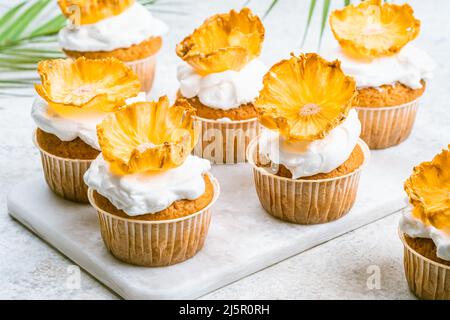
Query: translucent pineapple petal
<point>86,83</point>
<point>92,11</point>
<point>305,97</point>
<point>223,42</point>
<point>374,28</point>
<point>428,189</point>
<point>148,136</point>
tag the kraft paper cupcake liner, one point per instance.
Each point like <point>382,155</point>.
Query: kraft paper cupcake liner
<point>426,278</point>
<point>65,176</point>
<point>155,243</point>
<point>145,70</point>
<point>225,142</point>
<point>306,201</point>
<point>388,126</point>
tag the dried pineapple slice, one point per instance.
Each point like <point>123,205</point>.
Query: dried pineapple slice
<point>223,42</point>
<point>84,83</point>
<point>373,29</point>
<point>428,189</point>
<point>92,11</point>
<point>305,97</point>
<point>148,136</point>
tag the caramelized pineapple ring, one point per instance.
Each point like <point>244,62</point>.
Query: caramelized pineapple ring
<point>223,42</point>
<point>372,28</point>
<point>428,189</point>
<point>85,83</point>
<point>305,97</point>
<point>92,11</point>
<point>148,136</point>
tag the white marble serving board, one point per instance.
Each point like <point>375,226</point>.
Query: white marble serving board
<point>242,239</point>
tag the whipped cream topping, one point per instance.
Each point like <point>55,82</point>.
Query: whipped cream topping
<point>131,27</point>
<point>415,228</point>
<point>223,90</point>
<point>408,67</point>
<point>78,124</point>
<point>150,192</point>
<point>307,158</point>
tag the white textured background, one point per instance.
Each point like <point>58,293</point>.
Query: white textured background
<point>30,269</point>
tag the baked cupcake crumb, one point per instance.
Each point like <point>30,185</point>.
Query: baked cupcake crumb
<point>243,112</point>
<point>178,209</point>
<point>75,149</point>
<point>136,52</point>
<point>387,95</point>
<point>355,160</point>
<point>426,248</point>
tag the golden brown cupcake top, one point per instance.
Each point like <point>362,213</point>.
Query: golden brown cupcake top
<point>223,42</point>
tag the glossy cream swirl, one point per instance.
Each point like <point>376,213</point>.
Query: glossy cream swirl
<point>131,27</point>
<point>415,228</point>
<point>151,192</point>
<point>79,124</point>
<point>409,67</point>
<point>223,90</point>
<point>307,158</point>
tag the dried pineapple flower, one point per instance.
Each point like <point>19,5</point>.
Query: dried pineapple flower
<point>148,136</point>
<point>92,11</point>
<point>84,83</point>
<point>428,189</point>
<point>305,97</point>
<point>223,42</point>
<point>373,29</point>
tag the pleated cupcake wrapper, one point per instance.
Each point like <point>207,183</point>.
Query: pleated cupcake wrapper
<point>225,142</point>
<point>155,243</point>
<point>306,201</point>
<point>427,279</point>
<point>145,70</point>
<point>388,126</point>
<point>65,176</point>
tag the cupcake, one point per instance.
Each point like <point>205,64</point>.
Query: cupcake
<point>73,97</point>
<point>152,197</point>
<point>124,29</point>
<point>390,73</point>
<point>221,78</point>
<point>308,159</point>
<point>425,229</point>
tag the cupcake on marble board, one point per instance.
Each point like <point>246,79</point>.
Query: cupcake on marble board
<point>425,229</point>
<point>308,159</point>
<point>73,97</point>
<point>123,29</point>
<point>221,78</point>
<point>390,73</point>
<point>152,197</point>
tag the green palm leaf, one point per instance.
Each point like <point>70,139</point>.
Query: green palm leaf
<point>17,29</point>
<point>325,11</point>
<point>6,18</point>
<point>272,5</point>
<point>312,6</point>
